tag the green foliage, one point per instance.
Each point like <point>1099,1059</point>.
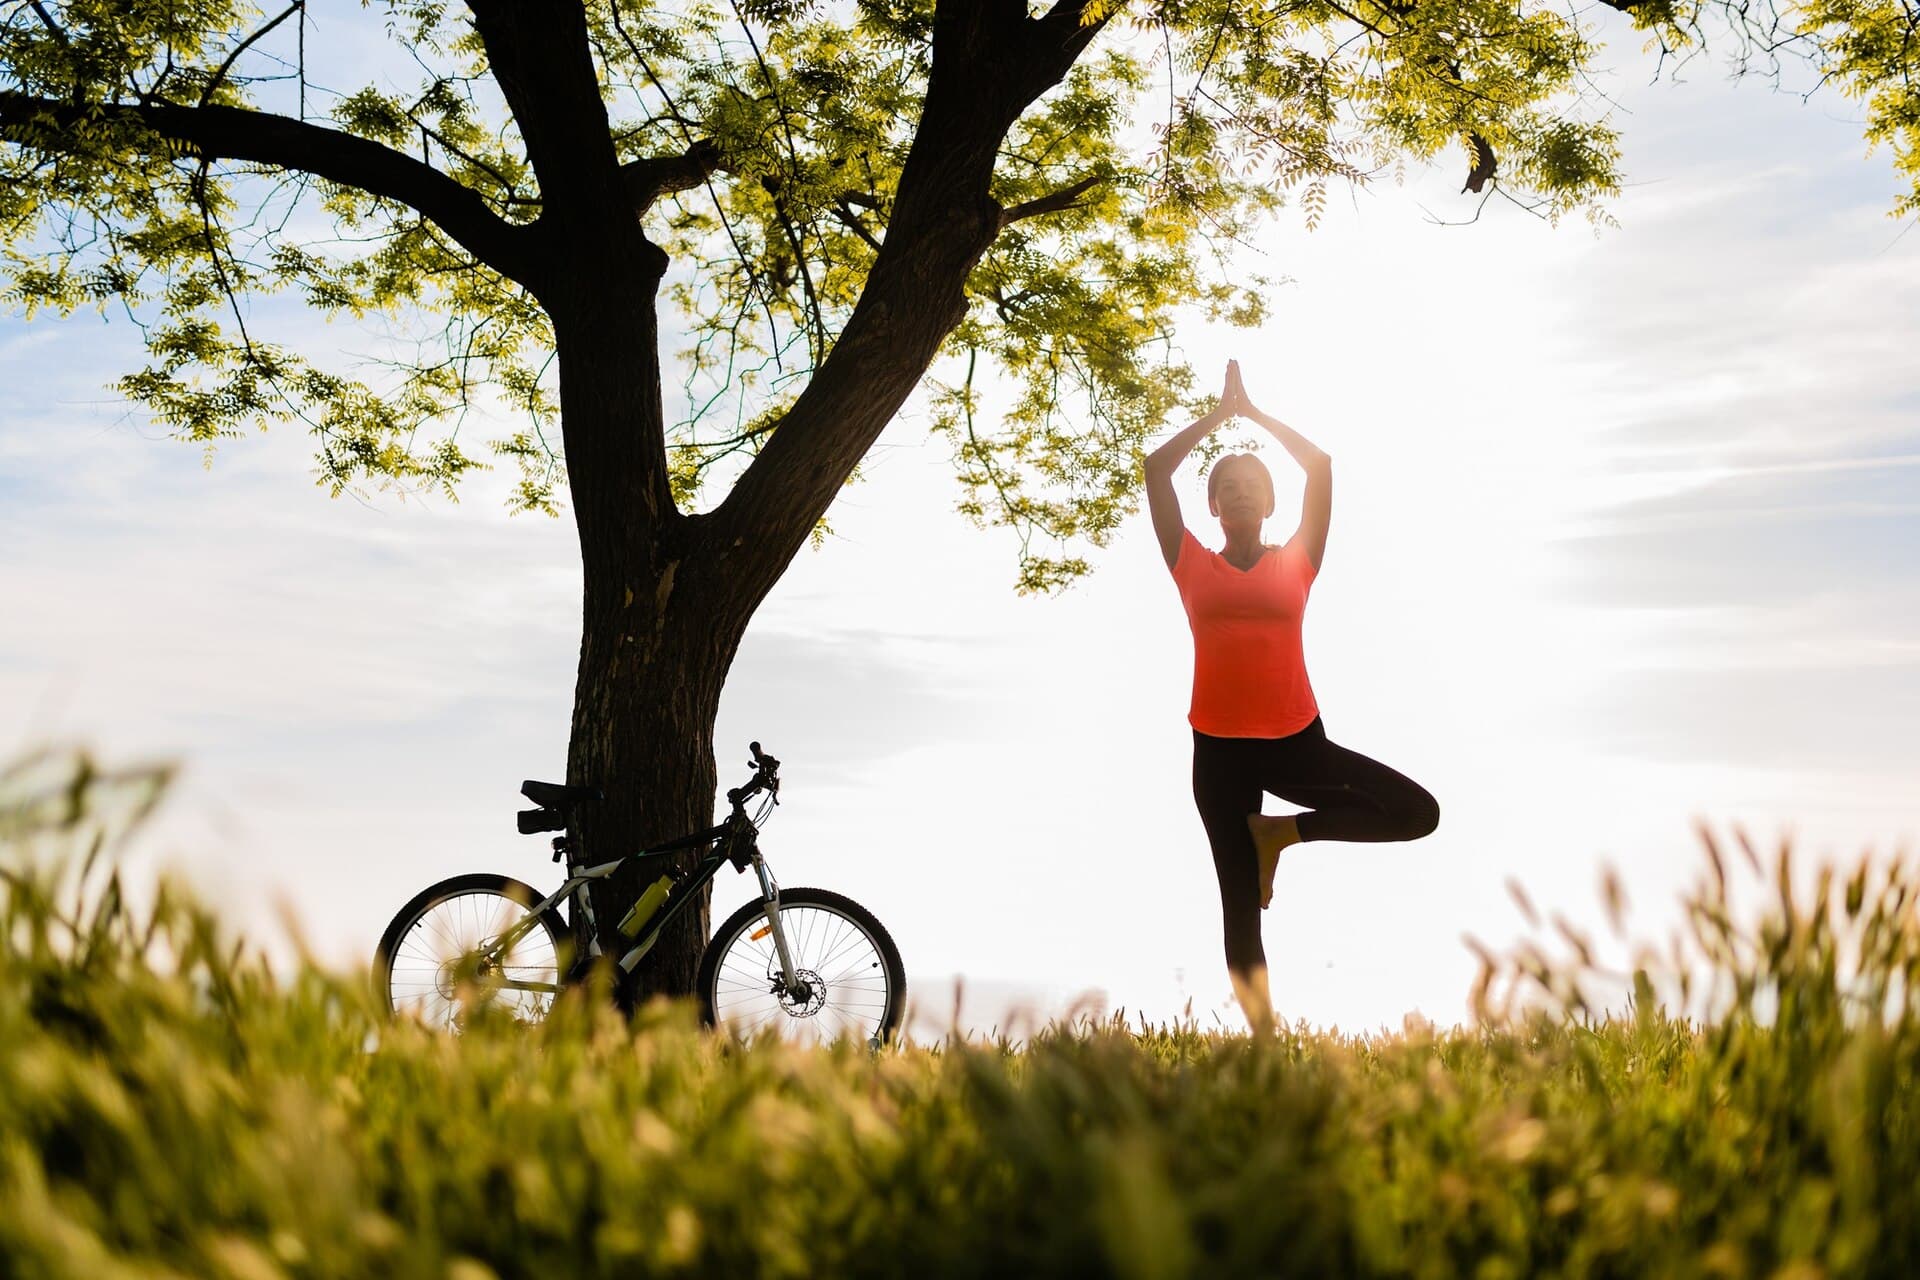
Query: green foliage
<point>112,215</point>
<point>1185,124</point>
<point>169,1105</point>
<point>1869,46</point>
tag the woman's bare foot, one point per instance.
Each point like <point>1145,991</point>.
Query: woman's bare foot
<point>1270,836</point>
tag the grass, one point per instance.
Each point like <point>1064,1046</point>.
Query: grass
<point>171,1107</point>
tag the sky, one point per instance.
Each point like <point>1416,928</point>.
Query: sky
<point>1623,539</point>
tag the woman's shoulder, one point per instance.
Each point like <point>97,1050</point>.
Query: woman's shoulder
<point>1195,561</point>
<point>1296,559</point>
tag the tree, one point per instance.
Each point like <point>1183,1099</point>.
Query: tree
<point>830,197</point>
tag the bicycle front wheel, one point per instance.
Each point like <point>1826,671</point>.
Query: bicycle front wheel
<point>851,980</point>
<point>441,960</point>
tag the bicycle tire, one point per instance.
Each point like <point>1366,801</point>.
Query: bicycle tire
<point>886,957</point>
<point>477,885</point>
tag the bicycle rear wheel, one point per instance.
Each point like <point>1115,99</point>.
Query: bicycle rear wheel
<point>855,982</point>
<point>435,960</point>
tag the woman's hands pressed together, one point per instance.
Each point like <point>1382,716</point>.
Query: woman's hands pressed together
<point>1233,400</point>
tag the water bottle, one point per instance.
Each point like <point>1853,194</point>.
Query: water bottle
<point>642,911</point>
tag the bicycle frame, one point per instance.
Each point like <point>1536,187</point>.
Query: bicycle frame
<point>733,841</point>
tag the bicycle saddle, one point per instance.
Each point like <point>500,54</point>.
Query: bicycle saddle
<point>554,795</point>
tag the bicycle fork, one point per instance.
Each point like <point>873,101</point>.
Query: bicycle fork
<point>770,893</point>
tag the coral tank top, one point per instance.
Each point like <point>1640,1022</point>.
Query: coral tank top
<point>1249,669</point>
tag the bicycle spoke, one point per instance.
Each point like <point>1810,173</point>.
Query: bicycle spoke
<point>810,923</point>
<point>830,943</point>
<point>441,929</point>
<point>760,974</point>
<point>862,965</point>
<point>825,960</point>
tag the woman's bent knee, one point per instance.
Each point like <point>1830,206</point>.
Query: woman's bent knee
<point>1423,818</point>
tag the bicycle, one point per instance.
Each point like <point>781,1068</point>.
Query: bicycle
<point>810,963</point>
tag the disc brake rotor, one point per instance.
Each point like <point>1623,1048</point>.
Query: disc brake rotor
<point>816,998</point>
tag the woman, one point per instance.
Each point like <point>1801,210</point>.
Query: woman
<point>1256,726</point>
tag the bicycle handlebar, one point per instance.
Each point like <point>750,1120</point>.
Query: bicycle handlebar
<point>766,777</point>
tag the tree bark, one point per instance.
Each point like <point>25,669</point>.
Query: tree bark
<point>652,656</point>
<point>645,702</point>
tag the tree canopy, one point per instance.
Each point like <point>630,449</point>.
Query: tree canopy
<point>178,158</point>
<point>171,158</point>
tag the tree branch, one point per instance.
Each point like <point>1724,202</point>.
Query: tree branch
<point>52,26</point>
<point>1053,202</point>
<point>1058,38</point>
<point>990,62</point>
<point>1064,21</point>
<point>542,60</point>
<point>655,176</point>
<point>1484,163</point>
<point>235,133</point>
<point>206,95</point>
<point>843,211</point>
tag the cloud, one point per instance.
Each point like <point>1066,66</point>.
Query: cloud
<point>1774,533</point>
<point>1856,717</point>
<point>844,699</point>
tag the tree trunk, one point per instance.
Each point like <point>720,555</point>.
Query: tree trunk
<point>643,721</point>
<point>668,596</point>
<point>650,668</point>
<point>654,649</point>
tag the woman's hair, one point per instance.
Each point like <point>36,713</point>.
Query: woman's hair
<point>1213,476</point>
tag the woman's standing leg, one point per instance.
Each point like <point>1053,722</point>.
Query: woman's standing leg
<point>1226,785</point>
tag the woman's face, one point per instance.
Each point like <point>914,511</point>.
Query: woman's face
<point>1242,494</point>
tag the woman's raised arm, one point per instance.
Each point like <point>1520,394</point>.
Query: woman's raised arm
<point>1316,505</point>
<point>1160,465</point>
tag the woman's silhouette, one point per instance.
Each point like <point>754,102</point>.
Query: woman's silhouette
<point>1256,726</point>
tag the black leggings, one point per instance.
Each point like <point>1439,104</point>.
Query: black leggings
<point>1349,796</point>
